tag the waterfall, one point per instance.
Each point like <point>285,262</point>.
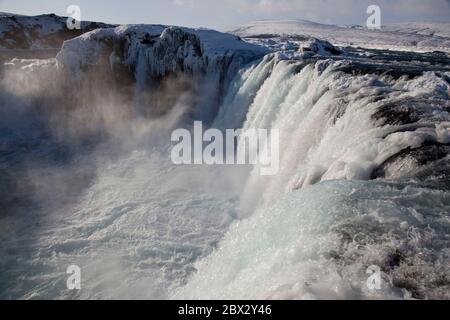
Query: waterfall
<point>331,122</point>
<point>88,179</point>
<point>363,182</point>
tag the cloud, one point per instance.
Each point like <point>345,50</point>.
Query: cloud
<point>186,3</point>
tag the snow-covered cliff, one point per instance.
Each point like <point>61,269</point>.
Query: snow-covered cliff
<point>47,31</point>
<point>164,49</point>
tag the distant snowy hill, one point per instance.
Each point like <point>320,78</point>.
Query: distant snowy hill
<point>38,32</point>
<point>423,36</point>
<point>433,29</point>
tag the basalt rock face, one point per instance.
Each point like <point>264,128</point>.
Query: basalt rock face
<point>39,32</point>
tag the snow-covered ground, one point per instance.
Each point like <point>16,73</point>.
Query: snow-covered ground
<point>426,36</point>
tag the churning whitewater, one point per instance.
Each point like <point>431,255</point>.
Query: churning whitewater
<point>88,180</point>
<point>375,147</point>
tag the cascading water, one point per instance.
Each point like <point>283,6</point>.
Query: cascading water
<point>363,174</point>
<point>318,243</point>
<point>336,130</point>
<point>332,123</point>
<point>93,183</point>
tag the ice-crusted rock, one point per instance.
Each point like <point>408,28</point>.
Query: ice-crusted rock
<point>157,49</point>
<point>47,31</point>
<point>150,57</point>
<point>320,47</point>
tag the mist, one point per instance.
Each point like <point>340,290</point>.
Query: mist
<point>94,182</point>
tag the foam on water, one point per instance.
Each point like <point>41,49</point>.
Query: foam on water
<point>135,233</point>
<point>317,243</point>
<point>137,223</point>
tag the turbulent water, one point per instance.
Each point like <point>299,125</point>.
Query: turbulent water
<point>87,180</point>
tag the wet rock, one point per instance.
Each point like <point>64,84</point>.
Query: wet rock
<point>409,161</point>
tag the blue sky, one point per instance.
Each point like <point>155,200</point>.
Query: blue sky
<point>223,14</point>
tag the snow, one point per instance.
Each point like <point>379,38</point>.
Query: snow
<point>431,29</point>
<point>402,36</point>
<point>44,24</point>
